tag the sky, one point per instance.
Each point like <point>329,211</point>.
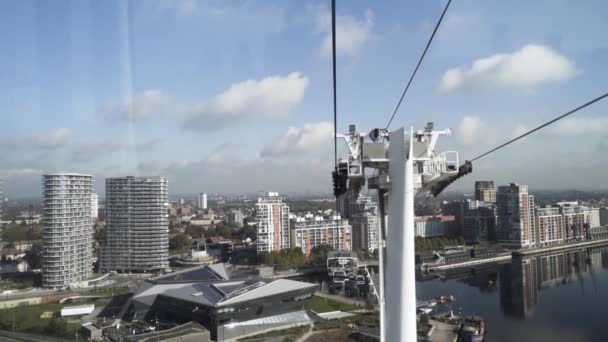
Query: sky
<point>235,96</point>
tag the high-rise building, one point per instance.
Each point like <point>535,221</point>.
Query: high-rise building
<point>479,224</point>
<point>485,191</point>
<point>94,206</point>
<point>67,229</point>
<point>460,210</point>
<point>235,216</point>
<point>592,217</point>
<point>272,219</point>
<point>515,212</point>
<point>574,220</point>
<point>549,225</point>
<point>201,202</point>
<point>137,225</point>
<point>365,224</point>
<point>311,231</point>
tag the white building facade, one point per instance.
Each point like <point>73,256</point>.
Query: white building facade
<point>311,231</point>
<point>201,202</point>
<point>272,219</point>
<point>137,223</point>
<point>67,229</point>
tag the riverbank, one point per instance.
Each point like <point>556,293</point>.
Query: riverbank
<point>532,251</point>
<point>473,262</point>
<point>518,253</point>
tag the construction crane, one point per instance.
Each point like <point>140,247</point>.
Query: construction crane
<point>405,165</point>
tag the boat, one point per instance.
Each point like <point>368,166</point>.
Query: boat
<point>472,329</point>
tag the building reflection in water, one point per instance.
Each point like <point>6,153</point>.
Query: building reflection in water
<point>520,282</point>
<point>522,279</point>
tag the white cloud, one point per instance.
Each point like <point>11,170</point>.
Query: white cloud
<point>139,107</point>
<point>469,130</point>
<point>351,33</point>
<point>309,138</point>
<point>181,7</point>
<point>53,139</point>
<point>576,126</point>
<point>526,68</point>
<point>272,97</point>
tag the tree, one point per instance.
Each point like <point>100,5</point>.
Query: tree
<point>360,254</point>
<point>34,256</point>
<point>179,242</point>
<point>319,253</point>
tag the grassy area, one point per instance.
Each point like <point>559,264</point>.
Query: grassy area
<point>290,334</point>
<point>27,319</point>
<point>319,304</point>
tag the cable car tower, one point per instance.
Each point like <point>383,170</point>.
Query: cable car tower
<point>405,165</point>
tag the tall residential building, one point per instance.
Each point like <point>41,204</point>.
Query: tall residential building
<point>235,216</point>
<point>311,231</point>
<point>574,220</point>
<point>137,225</point>
<point>549,225</point>
<point>515,212</point>
<point>201,201</point>
<point>272,219</point>
<point>67,229</point>
<point>365,224</point>
<point>94,206</point>
<point>592,217</point>
<point>485,191</point>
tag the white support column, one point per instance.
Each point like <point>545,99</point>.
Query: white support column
<point>400,314</point>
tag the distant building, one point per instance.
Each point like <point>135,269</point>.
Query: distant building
<point>68,229</point>
<point>485,191</point>
<point>574,220</point>
<point>479,224</point>
<point>94,206</point>
<point>432,226</point>
<point>549,225</point>
<point>311,231</point>
<point>235,217</point>
<point>183,211</point>
<point>137,225</point>
<point>365,224</point>
<point>592,217</point>
<point>515,212</point>
<point>459,209</point>
<point>603,216</point>
<point>272,218</point>
<point>201,202</point>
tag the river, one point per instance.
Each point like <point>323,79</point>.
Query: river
<point>550,297</point>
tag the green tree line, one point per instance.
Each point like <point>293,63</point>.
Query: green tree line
<point>430,244</point>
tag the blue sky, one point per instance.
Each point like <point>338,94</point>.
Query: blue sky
<point>229,96</point>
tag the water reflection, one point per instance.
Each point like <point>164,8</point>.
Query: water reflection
<point>520,282</point>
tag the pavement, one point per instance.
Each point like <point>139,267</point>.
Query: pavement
<point>443,332</point>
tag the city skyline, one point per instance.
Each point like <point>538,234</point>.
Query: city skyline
<point>111,111</point>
